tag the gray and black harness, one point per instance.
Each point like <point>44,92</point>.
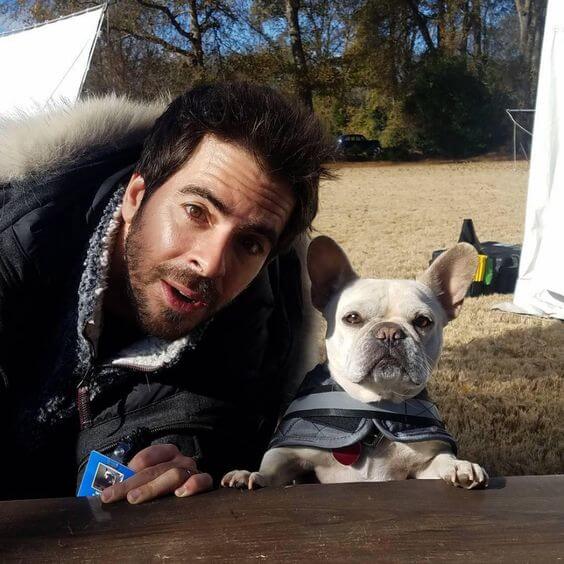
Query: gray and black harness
<point>324,416</point>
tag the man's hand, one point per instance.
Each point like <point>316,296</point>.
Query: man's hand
<point>159,470</point>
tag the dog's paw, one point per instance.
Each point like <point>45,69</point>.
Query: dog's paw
<point>236,479</point>
<point>258,480</point>
<point>464,474</point>
<point>244,479</point>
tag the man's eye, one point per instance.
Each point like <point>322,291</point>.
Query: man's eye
<point>252,246</point>
<point>195,212</point>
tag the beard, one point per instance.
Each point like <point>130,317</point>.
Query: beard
<point>164,323</point>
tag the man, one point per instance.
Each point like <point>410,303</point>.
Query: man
<point>148,308</point>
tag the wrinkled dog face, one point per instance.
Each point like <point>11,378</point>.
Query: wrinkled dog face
<point>384,337</point>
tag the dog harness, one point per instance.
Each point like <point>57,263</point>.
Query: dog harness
<point>324,416</point>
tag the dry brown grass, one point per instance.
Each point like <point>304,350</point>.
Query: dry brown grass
<point>499,381</point>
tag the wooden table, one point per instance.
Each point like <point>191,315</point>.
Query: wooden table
<point>517,519</point>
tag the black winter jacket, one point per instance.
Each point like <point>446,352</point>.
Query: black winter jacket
<point>218,402</point>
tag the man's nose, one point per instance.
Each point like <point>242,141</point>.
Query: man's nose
<point>389,333</point>
<point>209,258</point>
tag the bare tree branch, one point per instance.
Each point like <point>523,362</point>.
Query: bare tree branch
<point>165,10</point>
<point>157,40</point>
<point>194,35</point>
<point>236,17</point>
<point>421,24</point>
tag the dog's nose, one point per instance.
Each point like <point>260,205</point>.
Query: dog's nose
<point>390,333</point>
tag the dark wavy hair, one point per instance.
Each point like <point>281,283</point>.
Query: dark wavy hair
<point>287,140</point>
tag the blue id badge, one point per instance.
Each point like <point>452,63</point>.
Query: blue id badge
<point>101,472</point>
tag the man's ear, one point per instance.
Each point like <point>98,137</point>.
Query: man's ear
<point>329,270</point>
<point>133,197</point>
<point>450,276</point>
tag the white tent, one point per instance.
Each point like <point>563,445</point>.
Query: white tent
<point>540,287</point>
<point>46,64</point>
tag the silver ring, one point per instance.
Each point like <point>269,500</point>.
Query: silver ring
<point>189,473</point>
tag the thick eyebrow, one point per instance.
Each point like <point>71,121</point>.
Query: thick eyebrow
<point>253,227</point>
<point>260,229</point>
<point>207,195</point>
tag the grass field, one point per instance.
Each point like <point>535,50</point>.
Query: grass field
<point>499,381</point>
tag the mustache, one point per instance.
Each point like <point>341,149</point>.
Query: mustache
<point>205,287</point>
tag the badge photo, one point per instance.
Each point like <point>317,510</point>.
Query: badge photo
<point>101,472</point>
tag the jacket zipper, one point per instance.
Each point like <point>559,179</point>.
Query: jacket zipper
<point>83,406</point>
<point>83,401</point>
<point>154,430</point>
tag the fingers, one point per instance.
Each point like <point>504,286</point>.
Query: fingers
<point>197,483</point>
<point>160,470</point>
<point>172,480</point>
<point>153,455</point>
<point>121,490</point>
<point>164,484</point>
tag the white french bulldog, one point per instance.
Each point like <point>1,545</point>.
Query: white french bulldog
<point>365,416</point>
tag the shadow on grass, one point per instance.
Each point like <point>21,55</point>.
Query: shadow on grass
<point>502,399</point>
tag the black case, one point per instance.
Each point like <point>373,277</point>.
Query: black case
<point>504,259</point>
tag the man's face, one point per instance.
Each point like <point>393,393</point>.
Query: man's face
<point>201,238</point>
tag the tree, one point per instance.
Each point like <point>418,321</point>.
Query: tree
<point>531,14</point>
<point>452,108</point>
<point>192,31</point>
<point>303,85</point>
<point>145,44</point>
<point>354,61</point>
<point>421,24</point>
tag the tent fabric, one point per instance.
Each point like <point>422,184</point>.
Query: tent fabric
<point>45,65</point>
<point>540,286</point>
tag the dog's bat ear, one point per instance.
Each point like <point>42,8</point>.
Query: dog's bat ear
<point>450,276</point>
<point>329,270</point>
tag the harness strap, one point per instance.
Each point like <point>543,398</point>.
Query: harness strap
<point>341,401</point>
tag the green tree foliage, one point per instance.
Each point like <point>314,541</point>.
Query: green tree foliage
<point>422,76</point>
<point>452,109</point>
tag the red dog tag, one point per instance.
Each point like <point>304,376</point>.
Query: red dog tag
<point>348,455</point>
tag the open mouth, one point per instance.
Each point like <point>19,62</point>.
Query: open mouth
<point>182,299</point>
<point>181,296</point>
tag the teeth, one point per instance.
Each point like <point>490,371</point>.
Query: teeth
<point>183,295</point>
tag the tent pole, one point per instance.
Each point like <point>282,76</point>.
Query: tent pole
<point>104,11</point>
<point>514,147</point>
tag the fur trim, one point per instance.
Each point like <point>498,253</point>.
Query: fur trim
<point>149,353</point>
<point>35,145</point>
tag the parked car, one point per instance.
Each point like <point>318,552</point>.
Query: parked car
<point>357,147</point>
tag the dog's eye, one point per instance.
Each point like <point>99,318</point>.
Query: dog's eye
<point>352,318</point>
<point>421,321</point>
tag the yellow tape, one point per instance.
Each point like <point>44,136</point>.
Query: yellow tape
<point>481,270</point>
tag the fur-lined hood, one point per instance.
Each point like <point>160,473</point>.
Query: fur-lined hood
<point>35,145</point>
